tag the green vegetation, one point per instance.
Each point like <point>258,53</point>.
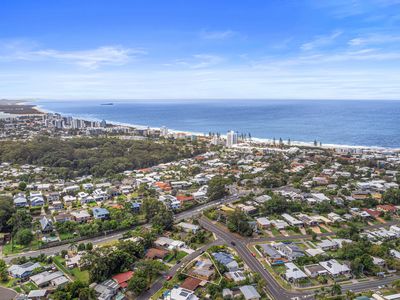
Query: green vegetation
<point>216,188</point>
<point>104,262</point>
<point>237,222</point>
<point>74,290</point>
<point>95,156</point>
<point>146,272</point>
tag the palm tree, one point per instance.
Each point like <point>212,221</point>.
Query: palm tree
<point>73,247</point>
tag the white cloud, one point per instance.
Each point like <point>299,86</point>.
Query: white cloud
<point>91,58</point>
<point>200,61</point>
<point>321,41</point>
<point>374,39</point>
<point>217,35</point>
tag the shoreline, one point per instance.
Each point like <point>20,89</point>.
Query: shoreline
<point>43,110</point>
<point>10,108</point>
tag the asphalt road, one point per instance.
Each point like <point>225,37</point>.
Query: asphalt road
<point>273,287</point>
<point>7,294</point>
<point>157,285</point>
<point>115,236</point>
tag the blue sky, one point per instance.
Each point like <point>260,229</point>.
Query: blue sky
<point>83,49</point>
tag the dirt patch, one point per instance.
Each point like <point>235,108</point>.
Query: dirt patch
<point>325,227</point>
<point>316,229</point>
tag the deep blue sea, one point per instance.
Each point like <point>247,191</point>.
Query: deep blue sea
<point>365,123</point>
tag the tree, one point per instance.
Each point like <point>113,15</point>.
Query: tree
<point>216,188</point>
<point>81,247</point>
<point>22,186</point>
<point>24,237</point>
<point>3,271</point>
<point>138,283</point>
<point>392,196</point>
<point>144,275</point>
<point>237,222</point>
<point>336,289</point>
<point>6,211</point>
<point>19,220</point>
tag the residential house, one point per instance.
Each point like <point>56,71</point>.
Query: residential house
<point>23,271</point>
<point>279,224</point>
<point>37,294</point>
<point>53,196</point>
<point>123,278</point>
<point>272,255</point>
<point>236,276</point>
<point>46,278</point>
<point>155,253</point>
<point>227,260</point>
<point>20,200</point>
<point>168,243</point>
<point>188,227</point>
<point>293,273</point>
<point>81,216</point>
<point>106,290</point>
<point>62,217</point>
<point>249,292</point>
<point>335,268</point>
<point>290,251</point>
<point>315,270</point>
<point>178,293</point>
<point>46,225</point>
<point>292,221</point>
<point>100,213</point>
<point>328,245</point>
<point>36,199</point>
<point>263,223</point>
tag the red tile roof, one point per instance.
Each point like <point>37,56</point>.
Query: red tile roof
<point>123,278</point>
<point>153,253</point>
<point>387,207</point>
<point>191,283</point>
<point>183,198</point>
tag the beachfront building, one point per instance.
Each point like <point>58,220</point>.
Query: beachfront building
<point>231,138</point>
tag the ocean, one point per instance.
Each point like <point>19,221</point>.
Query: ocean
<point>355,123</point>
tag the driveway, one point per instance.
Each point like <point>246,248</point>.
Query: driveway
<point>7,294</point>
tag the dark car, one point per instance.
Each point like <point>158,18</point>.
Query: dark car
<point>233,243</point>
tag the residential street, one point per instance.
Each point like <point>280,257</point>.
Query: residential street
<point>273,287</point>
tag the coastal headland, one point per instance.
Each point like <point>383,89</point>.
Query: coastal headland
<point>17,107</point>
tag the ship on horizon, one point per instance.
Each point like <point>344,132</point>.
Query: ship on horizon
<point>109,103</point>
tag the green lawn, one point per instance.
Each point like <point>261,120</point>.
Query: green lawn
<point>82,276</point>
<point>29,286</point>
<point>59,262</point>
<point>75,272</point>
<point>11,248</point>
<point>170,259</point>
<point>66,236</point>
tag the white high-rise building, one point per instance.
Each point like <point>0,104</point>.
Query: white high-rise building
<point>231,138</point>
<point>164,131</point>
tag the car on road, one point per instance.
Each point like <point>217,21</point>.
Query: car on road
<point>233,243</point>
<point>252,253</point>
<point>168,277</point>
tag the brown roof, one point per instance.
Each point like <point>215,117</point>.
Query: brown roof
<point>191,283</point>
<point>153,253</point>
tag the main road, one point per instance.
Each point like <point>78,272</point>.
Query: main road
<point>273,287</point>
<point>275,290</point>
<point>184,215</point>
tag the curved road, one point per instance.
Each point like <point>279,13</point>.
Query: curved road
<point>197,210</point>
<point>275,290</point>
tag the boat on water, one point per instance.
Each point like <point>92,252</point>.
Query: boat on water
<point>110,103</point>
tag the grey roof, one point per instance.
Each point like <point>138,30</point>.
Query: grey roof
<point>19,270</point>
<point>37,293</point>
<point>249,292</point>
<point>270,251</point>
